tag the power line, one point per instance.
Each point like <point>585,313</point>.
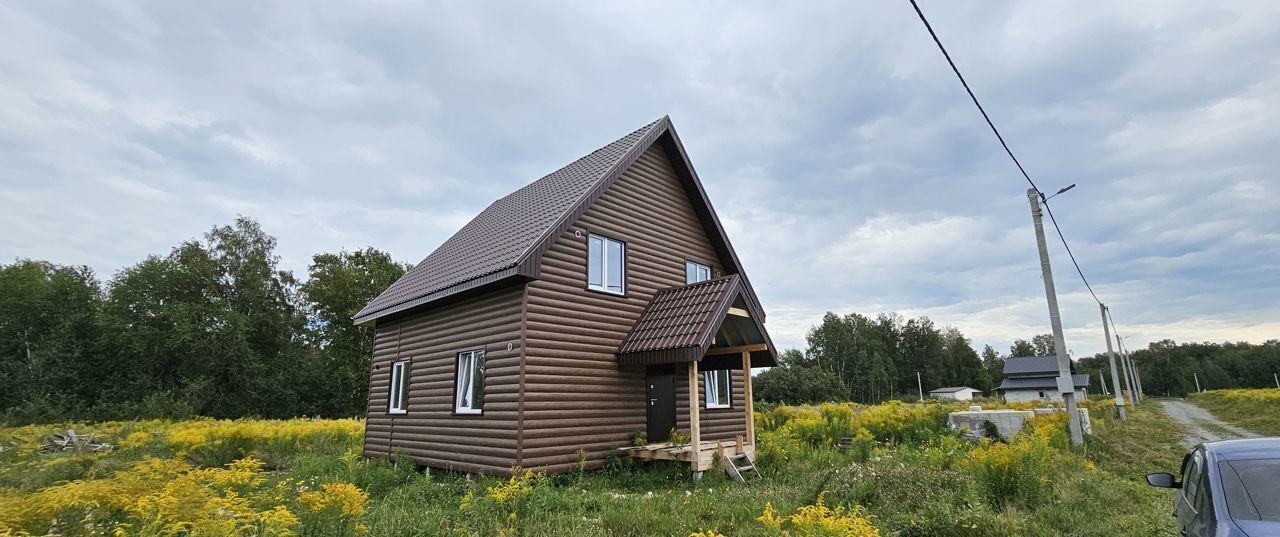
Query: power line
<point>1005,145</point>
<point>956,70</point>
<point>1069,254</point>
<point>1113,324</point>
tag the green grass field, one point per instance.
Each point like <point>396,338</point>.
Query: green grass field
<point>907,476</point>
<point>1255,409</point>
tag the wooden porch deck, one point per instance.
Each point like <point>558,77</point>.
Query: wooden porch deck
<point>704,455</point>
<point>700,459</point>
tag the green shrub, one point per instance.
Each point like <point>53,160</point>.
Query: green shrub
<point>861,445</point>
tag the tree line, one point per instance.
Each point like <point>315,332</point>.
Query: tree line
<point>1169,368</point>
<point>212,328</point>
<point>867,359</point>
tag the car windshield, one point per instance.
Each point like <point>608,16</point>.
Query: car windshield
<point>1252,488</point>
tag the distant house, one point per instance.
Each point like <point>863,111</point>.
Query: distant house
<point>960,393</point>
<point>599,307</point>
<point>1036,377</point>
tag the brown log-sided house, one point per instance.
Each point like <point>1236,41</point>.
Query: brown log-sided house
<point>568,321</point>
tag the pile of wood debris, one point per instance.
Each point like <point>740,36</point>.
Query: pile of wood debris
<point>68,440</point>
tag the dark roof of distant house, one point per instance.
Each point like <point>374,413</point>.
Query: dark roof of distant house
<point>1031,366</point>
<point>953,389</point>
<point>508,238</point>
<point>681,323</point>
<point>1080,380</point>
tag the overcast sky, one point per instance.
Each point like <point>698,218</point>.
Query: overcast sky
<point>849,167</point>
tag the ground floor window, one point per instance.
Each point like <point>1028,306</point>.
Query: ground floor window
<point>399,394</point>
<point>718,388</point>
<point>470,386</point>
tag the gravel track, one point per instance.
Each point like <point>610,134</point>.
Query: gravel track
<point>1201,426</point>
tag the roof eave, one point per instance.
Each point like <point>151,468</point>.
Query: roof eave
<point>486,280</point>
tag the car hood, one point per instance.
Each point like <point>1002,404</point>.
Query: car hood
<point>1258,528</point>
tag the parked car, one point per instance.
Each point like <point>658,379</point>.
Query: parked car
<point>1228,489</point>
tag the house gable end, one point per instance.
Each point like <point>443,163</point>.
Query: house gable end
<point>572,190</point>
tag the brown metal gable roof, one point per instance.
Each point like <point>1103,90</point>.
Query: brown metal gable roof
<point>508,238</point>
<point>679,323</point>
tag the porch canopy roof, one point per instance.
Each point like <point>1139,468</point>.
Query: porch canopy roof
<point>709,321</point>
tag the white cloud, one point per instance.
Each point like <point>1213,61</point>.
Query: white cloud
<point>843,158</point>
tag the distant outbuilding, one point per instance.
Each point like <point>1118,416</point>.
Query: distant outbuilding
<point>958,393</point>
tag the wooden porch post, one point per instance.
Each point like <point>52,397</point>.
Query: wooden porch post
<point>749,404</point>
<point>695,428</point>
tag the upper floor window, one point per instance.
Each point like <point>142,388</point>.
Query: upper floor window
<point>399,391</point>
<point>469,390</point>
<point>605,264</point>
<point>695,272</point>
<point>718,388</point>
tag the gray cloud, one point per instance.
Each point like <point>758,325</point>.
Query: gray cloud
<point>844,158</point>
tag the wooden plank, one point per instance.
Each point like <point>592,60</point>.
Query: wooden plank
<point>695,430</point>
<point>737,349</point>
<point>740,312</point>
<point>747,397</point>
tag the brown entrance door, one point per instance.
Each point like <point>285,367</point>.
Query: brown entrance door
<point>661,380</point>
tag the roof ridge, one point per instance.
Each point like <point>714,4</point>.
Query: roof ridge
<point>425,279</point>
<point>586,194</point>
<point>507,238</point>
<point>584,157</point>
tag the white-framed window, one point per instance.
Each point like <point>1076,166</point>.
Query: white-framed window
<point>718,388</point>
<point>399,390</point>
<point>469,390</point>
<point>695,272</point>
<point>606,265</point>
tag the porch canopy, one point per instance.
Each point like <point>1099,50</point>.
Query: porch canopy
<point>709,321</point>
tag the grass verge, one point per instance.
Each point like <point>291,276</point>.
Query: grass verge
<point>1257,410</point>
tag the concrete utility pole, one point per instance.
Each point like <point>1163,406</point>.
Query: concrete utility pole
<point>1133,372</point>
<point>1197,377</point>
<point>1111,357</point>
<point>919,386</point>
<point>1065,384</point>
<point>1128,376</point>
<point>1133,368</point>
<point>1137,375</point>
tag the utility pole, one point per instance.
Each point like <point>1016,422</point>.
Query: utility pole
<point>1128,375</point>
<point>1065,384</point>
<point>1111,357</point>
<point>1137,375</point>
<point>1133,373</point>
<point>1197,377</point>
<point>1133,369</point>
<point>1277,379</point>
<point>919,386</point>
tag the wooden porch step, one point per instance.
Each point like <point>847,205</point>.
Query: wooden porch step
<point>739,472</point>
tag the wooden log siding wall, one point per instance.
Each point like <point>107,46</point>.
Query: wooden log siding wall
<point>429,431</point>
<point>716,423</point>
<point>576,396</point>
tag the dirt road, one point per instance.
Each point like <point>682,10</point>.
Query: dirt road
<point>1200,425</point>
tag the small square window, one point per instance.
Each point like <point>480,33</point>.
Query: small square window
<point>695,272</point>
<point>399,391</point>
<point>470,383</point>
<point>717,388</point>
<point>605,265</point>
